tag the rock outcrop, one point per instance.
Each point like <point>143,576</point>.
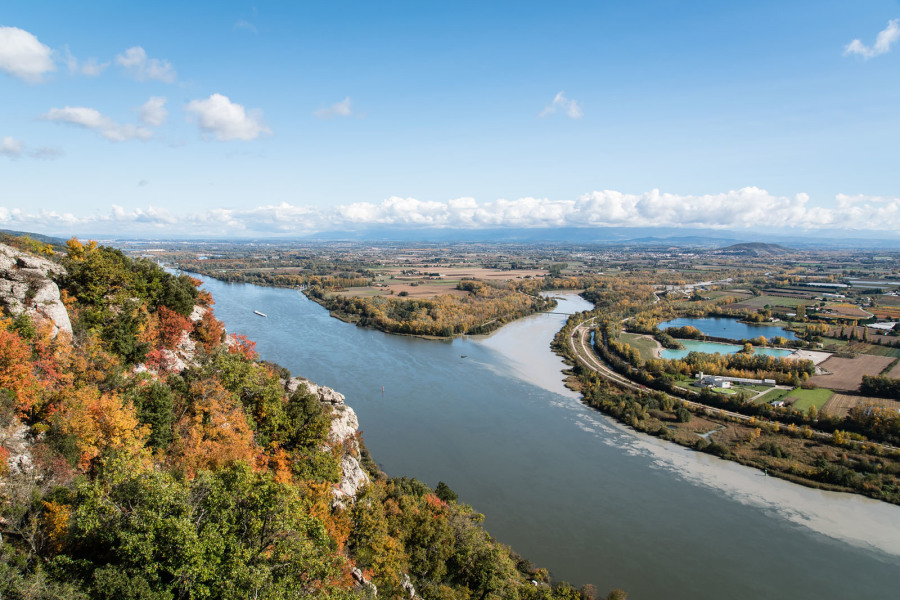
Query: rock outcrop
<point>26,287</point>
<point>344,427</point>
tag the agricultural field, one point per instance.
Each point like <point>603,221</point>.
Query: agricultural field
<point>846,373</point>
<point>758,302</point>
<point>894,373</point>
<point>802,399</point>
<point>840,404</point>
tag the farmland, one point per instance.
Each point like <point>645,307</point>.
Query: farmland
<point>846,374</point>
<point>840,404</point>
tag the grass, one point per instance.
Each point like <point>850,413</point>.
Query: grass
<point>807,398</point>
<point>761,301</point>
<point>646,346</point>
<point>726,391</point>
<point>772,396</point>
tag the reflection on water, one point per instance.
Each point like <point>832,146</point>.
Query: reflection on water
<point>562,484</point>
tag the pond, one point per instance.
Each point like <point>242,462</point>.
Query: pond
<point>732,329</point>
<point>716,347</point>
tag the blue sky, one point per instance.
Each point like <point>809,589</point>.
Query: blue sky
<point>225,118</point>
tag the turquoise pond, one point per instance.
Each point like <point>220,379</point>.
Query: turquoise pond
<point>732,329</point>
<point>713,347</point>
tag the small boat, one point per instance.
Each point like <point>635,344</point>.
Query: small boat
<point>463,356</point>
<point>260,314</point>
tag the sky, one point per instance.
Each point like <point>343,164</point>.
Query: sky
<point>222,119</point>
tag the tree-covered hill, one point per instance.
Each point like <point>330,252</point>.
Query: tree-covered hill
<point>149,455</point>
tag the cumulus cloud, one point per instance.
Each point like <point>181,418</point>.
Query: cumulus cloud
<point>154,112</point>
<point>11,148</point>
<point>92,119</point>
<point>883,42</point>
<point>135,62</point>
<point>338,109</point>
<point>560,103</point>
<point>745,209</point>
<point>23,56</point>
<point>226,120</point>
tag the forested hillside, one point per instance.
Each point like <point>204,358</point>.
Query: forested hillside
<point>149,455</point>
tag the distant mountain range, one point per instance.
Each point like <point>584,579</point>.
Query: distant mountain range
<point>612,236</point>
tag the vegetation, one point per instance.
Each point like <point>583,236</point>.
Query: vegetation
<point>138,479</point>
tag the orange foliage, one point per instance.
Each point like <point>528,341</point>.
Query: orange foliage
<point>100,423</point>
<point>243,346</point>
<point>55,524</point>
<point>90,363</point>
<point>209,331</point>
<point>172,327</point>
<point>214,431</point>
<point>15,370</point>
<point>204,298</point>
<point>276,460</point>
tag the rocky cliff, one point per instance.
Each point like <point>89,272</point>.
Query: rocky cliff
<point>343,434</point>
<point>26,287</point>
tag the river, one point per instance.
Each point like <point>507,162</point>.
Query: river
<point>561,483</point>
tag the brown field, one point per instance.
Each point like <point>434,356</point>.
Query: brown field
<point>895,372</point>
<point>428,289</point>
<point>846,373</point>
<point>457,273</point>
<point>846,310</point>
<point>840,404</point>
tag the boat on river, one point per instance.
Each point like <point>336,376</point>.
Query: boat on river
<point>260,314</point>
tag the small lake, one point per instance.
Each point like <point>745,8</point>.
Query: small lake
<point>732,329</point>
<point>715,347</point>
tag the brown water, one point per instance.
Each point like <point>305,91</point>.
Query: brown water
<point>562,484</point>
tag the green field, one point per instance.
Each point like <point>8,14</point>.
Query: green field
<point>646,346</point>
<point>772,396</point>
<point>762,301</point>
<point>807,398</point>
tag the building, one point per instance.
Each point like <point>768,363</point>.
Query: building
<point>720,381</point>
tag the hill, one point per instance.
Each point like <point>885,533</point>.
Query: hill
<point>754,249</point>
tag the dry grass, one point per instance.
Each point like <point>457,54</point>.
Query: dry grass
<point>847,373</point>
<point>840,404</point>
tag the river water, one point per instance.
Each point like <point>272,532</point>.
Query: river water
<point>562,484</point>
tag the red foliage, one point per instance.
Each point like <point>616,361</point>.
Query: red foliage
<point>209,331</point>
<point>244,346</point>
<point>172,327</point>
<point>160,361</point>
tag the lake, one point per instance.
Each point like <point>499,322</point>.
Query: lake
<point>561,483</point>
<point>731,329</point>
<point>716,347</point>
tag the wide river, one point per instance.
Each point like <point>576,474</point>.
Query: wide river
<point>562,484</point>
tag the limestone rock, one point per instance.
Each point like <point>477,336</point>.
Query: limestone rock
<point>344,427</point>
<point>26,287</point>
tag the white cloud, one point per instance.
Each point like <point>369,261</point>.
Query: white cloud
<point>14,149</point>
<point>226,120</point>
<point>90,67</point>
<point>11,148</point>
<point>154,112</point>
<point>884,41</point>
<point>90,118</point>
<point>135,62</point>
<point>745,209</point>
<point>23,56</point>
<point>246,25</point>
<point>338,109</point>
<point>570,108</point>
